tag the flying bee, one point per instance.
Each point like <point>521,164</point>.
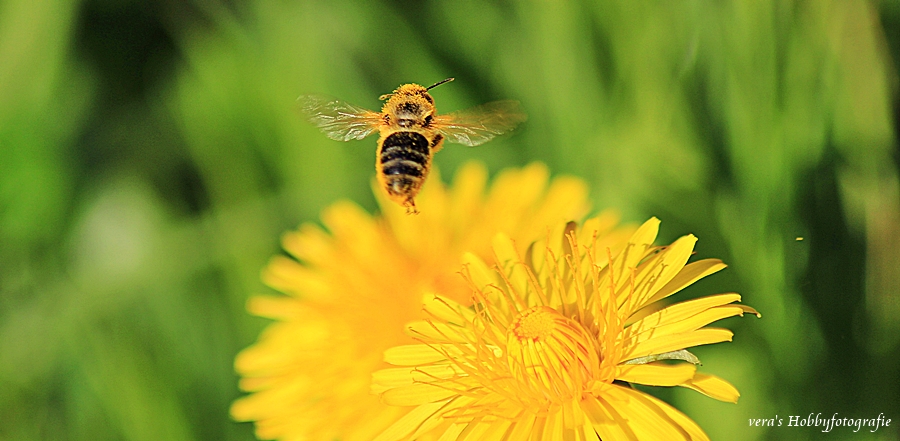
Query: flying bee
<point>411,132</point>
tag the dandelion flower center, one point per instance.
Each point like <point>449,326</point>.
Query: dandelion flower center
<point>535,324</point>
<point>551,356</point>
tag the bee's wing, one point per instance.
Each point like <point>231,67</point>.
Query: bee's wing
<point>340,120</point>
<point>480,124</point>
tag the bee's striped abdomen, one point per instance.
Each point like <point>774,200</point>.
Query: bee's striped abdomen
<point>405,158</point>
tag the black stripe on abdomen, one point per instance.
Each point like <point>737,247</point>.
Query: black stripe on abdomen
<point>404,153</point>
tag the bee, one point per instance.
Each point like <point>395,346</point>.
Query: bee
<point>411,132</point>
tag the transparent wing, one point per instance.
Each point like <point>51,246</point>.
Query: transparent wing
<point>480,124</point>
<point>339,120</point>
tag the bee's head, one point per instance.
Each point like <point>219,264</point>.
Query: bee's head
<point>410,105</point>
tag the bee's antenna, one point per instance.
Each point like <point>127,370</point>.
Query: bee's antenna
<point>439,83</point>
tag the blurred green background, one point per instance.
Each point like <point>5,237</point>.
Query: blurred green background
<point>151,154</point>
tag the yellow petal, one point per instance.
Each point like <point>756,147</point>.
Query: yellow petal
<point>553,424</point>
<point>290,277</point>
<point>413,355</point>
<point>409,422</point>
<point>390,378</point>
<point>652,325</point>
<point>656,374</point>
<point>572,414</point>
<point>478,272</point>
<point>436,330</point>
<point>566,200</point>
<point>675,342</point>
<point>623,424</point>
<point>516,274</point>
<point>526,184</point>
<point>691,273</point>
<point>713,387</point>
<point>278,308</point>
<point>688,324</point>
<point>750,310</point>
<point>444,308</point>
<point>350,222</point>
<point>522,430</point>
<point>686,424</point>
<point>416,394</point>
<point>452,432</point>
<point>465,199</point>
<point>608,423</point>
<point>646,416</point>
<point>638,245</point>
<point>495,430</point>
<point>309,243</point>
<point>654,275</point>
<point>504,250</point>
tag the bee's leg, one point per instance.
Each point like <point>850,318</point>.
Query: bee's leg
<point>437,143</point>
<point>410,206</point>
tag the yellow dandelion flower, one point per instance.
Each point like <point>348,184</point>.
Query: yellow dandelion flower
<point>554,339</point>
<point>351,290</point>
